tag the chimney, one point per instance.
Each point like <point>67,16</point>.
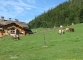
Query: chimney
<point>16,20</point>
<point>2,18</point>
<point>9,18</point>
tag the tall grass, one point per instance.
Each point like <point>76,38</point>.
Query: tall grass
<point>68,46</point>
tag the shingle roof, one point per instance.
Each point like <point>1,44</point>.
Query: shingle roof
<point>6,22</point>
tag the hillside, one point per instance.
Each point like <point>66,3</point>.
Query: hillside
<point>66,13</point>
<point>68,46</point>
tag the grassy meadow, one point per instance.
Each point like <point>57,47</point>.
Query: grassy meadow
<point>68,46</point>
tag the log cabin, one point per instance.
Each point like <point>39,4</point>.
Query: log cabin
<point>12,27</point>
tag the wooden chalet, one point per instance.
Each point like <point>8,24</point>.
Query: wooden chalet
<point>12,27</point>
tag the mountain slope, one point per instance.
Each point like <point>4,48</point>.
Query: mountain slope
<point>66,13</point>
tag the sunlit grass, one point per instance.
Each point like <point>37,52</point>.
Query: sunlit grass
<point>66,46</point>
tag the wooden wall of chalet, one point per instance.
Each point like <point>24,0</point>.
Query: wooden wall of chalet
<point>14,26</point>
<point>3,31</point>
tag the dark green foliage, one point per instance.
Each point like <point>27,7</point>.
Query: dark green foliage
<point>66,13</point>
<point>81,15</point>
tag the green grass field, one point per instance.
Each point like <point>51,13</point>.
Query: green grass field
<point>68,46</point>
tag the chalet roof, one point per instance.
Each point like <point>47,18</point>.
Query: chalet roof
<point>6,22</point>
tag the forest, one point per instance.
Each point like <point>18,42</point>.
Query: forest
<point>68,12</point>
